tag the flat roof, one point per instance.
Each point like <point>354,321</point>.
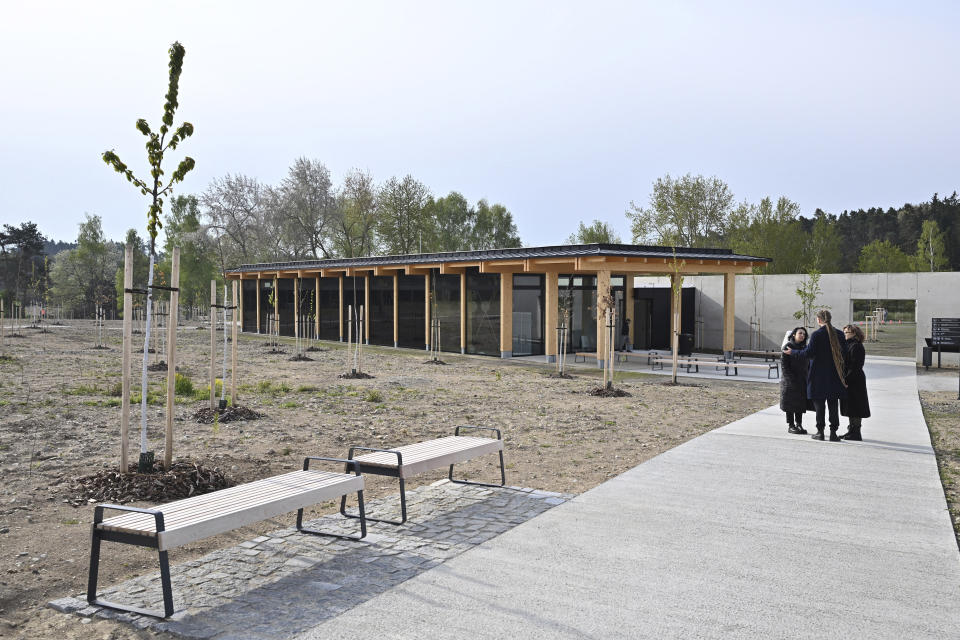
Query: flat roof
<point>632,254</point>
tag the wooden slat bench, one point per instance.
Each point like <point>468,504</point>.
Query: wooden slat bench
<point>412,459</point>
<point>177,523</point>
<point>765,354</point>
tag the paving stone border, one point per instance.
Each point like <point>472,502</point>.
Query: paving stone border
<point>278,585</point>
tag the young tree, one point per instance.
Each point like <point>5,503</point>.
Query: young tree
<point>197,265</point>
<point>597,233</point>
<point>690,211</point>
<point>157,146</point>
<point>83,277</point>
<point>931,252</point>
<point>880,256</point>
<point>808,292</point>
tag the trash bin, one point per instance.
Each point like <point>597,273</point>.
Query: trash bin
<point>927,356</point>
<point>685,344</point>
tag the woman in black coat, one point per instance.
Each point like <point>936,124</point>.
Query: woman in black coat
<point>856,406</point>
<point>793,382</point>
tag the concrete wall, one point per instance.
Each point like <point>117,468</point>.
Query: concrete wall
<point>771,300</point>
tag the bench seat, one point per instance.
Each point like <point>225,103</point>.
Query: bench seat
<point>430,454</point>
<point>206,515</point>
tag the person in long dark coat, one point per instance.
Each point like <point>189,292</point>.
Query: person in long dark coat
<point>793,382</point>
<point>856,406</point>
<point>826,351</point>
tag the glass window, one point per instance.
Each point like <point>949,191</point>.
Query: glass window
<point>581,294</point>
<point>446,307</point>
<point>381,310</point>
<point>528,315</point>
<point>249,305</point>
<point>410,305</point>
<point>328,305</point>
<point>483,313</point>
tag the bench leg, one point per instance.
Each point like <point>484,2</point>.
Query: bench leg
<point>164,584</point>
<point>503,476</point>
<point>343,499</point>
<point>403,508</point>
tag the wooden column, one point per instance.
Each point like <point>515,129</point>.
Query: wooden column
<point>239,296</point>
<point>172,356</point>
<point>676,311</point>
<point>234,346</point>
<point>340,279</point>
<point>276,306</point>
<point>316,309</point>
<point>366,308</point>
<point>396,310</point>
<point>506,315</point>
<point>127,346</point>
<point>213,344</point>
<point>550,315</point>
<point>729,319</point>
<point>603,289</point>
<point>296,307</point>
<point>258,303</point>
<point>426,311</point>
<point>463,312</point>
<point>628,304</point>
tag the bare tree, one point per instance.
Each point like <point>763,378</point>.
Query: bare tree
<point>308,207</point>
<point>403,215</point>
<point>234,207</point>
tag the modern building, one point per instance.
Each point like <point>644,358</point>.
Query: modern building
<point>499,302</point>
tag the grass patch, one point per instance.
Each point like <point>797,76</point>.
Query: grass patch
<point>290,404</point>
<point>268,387</point>
<point>83,390</point>
<point>307,388</point>
<point>374,396</point>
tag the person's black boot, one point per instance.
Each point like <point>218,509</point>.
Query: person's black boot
<point>853,433</point>
<point>833,435</point>
<point>791,428</point>
<point>800,428</point>
<point>819,434</point>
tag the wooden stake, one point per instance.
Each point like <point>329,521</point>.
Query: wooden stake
<point>127,348</point>
<point>234,348</point>
<point>213,344</point>
<point>171,357</point>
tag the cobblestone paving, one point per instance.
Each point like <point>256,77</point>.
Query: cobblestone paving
<point>278,585</point>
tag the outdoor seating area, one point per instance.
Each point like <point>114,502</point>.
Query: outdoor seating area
<point>174,524</point>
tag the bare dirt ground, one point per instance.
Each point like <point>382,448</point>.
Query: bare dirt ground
<point>58,421</point>
<point>941,409</point>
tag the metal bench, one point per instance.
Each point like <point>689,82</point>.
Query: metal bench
<point>412,459</point>
<point>177,523</point>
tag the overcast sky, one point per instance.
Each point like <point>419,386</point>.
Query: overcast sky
<point>561,111</point>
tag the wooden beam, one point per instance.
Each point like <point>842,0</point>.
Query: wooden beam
<point>506,315</point>
<point>729,317</point>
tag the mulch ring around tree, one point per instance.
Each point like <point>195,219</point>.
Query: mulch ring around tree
<point>182,480</point>
<point>355,375</point>
<point>301,358</point>
<point>157,366</point>
<point>274,351</point>
<point>434,362</point>
<point>206,415</point>
<point>316,349</point>
<point>565,376</point>
<point>609,392</point>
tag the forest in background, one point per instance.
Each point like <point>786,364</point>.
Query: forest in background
<point>239,220</point>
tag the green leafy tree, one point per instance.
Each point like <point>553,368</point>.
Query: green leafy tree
<point>140,265</point>
<point>931,251</point>
<point>158,144</point>
<point>823,249</point>
<point>356,216</point>
<point>597,233</point>
<point>403,218</point>
<point>493,228</point>
<point>83,277</point>
<point>769,230</point>
<point>690,211</point>
<point>197,265</point>
<point>880,256</point>
<point>453,219</point>
<point>21,260</point>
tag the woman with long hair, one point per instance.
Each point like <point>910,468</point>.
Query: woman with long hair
<point>826,351</point>
<point>793,382</point>
<point>856,406</point>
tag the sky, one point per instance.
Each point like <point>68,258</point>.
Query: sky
<point>561,111</point>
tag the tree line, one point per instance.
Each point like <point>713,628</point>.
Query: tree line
<point>239,220</point>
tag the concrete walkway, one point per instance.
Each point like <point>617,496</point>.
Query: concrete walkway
<point>745,532</point>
